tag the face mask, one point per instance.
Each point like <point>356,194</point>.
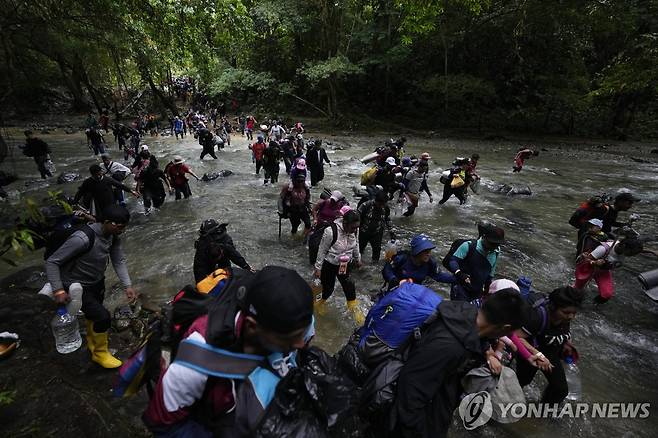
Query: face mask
<point>282,364</point>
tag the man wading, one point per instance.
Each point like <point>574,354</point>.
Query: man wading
<point>81,259</point>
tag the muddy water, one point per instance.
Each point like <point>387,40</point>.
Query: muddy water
<point>618,342</point>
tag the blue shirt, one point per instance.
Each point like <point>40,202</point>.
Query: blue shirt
<point>492,257</point>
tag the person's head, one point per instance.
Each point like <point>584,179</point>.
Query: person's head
<point>115,220</point>
<point>484,226</point>
<point>95,171</point>
<point>501,314</point>
<point>624,201</point>
<point>317,143</point>
<point>28,133</point>
<point>475,158</point>
<point>421,248</point>
<point>425,156</point>
<point>210,226</point>
<point>629,247</point>
<point>278,305</point>
<point>492,238</point>
<point>351,221</point>
<point>390,162</point>
<point>301,164</point>
<point>178,159</point>
<point>381,199</point>
<point>106,159</point>
<point>563,304</point>
<point>594,225</point>
<point>535,153</point>
<point>336,197</point>
<point>260,139</point>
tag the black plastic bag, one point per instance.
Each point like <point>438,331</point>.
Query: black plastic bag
<point>316,399</point>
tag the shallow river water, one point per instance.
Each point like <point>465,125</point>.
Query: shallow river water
<point>618,343</point>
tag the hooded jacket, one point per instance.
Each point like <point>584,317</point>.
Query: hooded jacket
<point>204,263</point>
<point>430,381</point>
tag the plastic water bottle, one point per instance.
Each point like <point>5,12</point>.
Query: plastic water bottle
<point>572,373</point>
<point>66,332</point>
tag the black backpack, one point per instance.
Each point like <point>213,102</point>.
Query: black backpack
<point>316,237</point>
<point>58,237</point>
<point>472,245</point>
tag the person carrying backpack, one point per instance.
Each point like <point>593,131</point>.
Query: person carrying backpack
<point>375,216</point>
<point>546,333</point>
<point>316,156</point>
<point>271,159</point>
<point>149,185</point>
<point>39,151</point>
<point>215,249</point>
<point>207,142</point>
<point>295,199</point>
<point>178,128</point>
<point>82,258</point>
<point>258,149</point>
<point>231,359</point>
<point>520,157</point>
<point>97,192</point>
<point>429,384</point>
<point>592,238</point>
<point>415,266</point>
<point>599,264</point>
<point>474,264</point>
<point>415,182</point>
<point>339,248</point>
<point>454,181</point>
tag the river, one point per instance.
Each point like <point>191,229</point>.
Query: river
<point>618,342</point>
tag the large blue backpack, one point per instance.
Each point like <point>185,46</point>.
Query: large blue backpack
<point>394,318</point>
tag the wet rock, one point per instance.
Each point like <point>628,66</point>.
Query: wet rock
<point>654,151</point>
<point>70,130</point>
<point>7,178</point>
<point>511,190</point>
<point>640,160</point>
<point>67,177</point>
<point>211,176</point>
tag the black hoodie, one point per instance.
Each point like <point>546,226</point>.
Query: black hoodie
<point>204,261</point>
<point>429,385</point>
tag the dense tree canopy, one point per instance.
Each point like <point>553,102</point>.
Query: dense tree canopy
<point>572,67</point>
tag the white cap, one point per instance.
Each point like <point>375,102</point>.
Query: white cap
<point>501,284</point>
<point>143,148</point>
<point>391,161</point>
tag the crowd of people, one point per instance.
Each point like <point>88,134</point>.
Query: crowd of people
<point>257,323</point>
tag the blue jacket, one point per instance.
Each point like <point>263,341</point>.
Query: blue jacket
<point>402,266</point>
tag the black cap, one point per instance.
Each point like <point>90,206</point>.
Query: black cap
<point>279,299</point>
<point>626,196</point>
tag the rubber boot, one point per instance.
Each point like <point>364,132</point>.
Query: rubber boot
<point>353,306</point>
<point>98,345</point>
<point>319,307</point>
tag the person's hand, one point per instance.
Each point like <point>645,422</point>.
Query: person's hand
<point>431,199</point>
<point>405,280</point>
<point>540,361</point>
<point>131,294</point>
<point>494,365</point>
<point>463,277</point>
<point>316,273</point>
<point>61,297</point>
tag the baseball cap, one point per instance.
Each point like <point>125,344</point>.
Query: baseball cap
<point>390,161</point>
<point>178,159</point>
<point>501,284</point>
<point>597,222</point>
<point>336,195</point>
<point>279,299</point>
<point>143,148</point>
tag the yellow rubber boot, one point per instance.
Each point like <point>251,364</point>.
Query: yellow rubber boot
<point>353,306</point>
<point>98,345</point>
<point>319,307</point>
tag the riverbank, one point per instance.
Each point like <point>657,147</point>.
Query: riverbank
<point>44,393</point>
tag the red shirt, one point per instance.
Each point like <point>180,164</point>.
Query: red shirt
<point>258,149</point>
<point>177,173</point>
<point>250,123</point>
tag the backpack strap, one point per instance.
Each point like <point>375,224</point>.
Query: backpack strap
<point>216,362</point>
<point>541,306</point>
<point>334,233</point>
